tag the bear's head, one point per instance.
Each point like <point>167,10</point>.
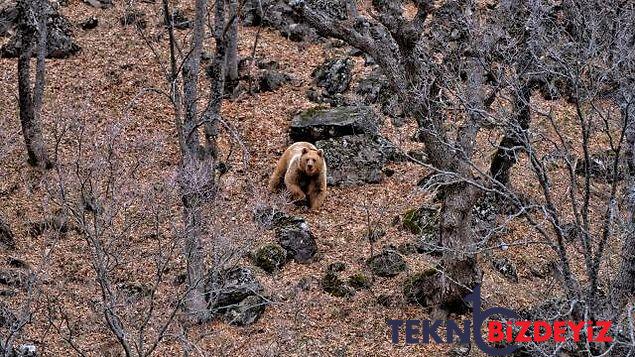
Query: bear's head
<point>312,161</point>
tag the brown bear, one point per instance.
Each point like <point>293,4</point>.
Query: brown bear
<point>303,171</point>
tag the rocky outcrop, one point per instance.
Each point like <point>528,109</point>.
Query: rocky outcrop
<point>355,159</point>
<point>334,75</point>
<point>321,123</point>
<point>236,295</point>
<point>292,232</point>
<point>60,43</point>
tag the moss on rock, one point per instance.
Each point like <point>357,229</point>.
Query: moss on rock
<point>270,257</point>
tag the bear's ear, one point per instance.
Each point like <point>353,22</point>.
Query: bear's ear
<point>321,153</point>
<point>304,151</point>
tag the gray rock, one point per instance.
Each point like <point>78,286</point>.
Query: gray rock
<point>298,240</point>
<point>89,24</point>
<point>334,75</point>
<point>230,287</point>
<point>271,80</point>
<point>360,281</point>
<point>7,318</point>
<point>14,278</point>
<point>506,268</point>
<point>320,123</point>
<point>354,159</point>
<point>100,4</point>
<point>371,88</point>
<point>333,285</point>
<point>59,41</point>
<point>270,257</point>
<point>247,311</point>
<point>8,17</point>
<point>387,263</point>
<point>374,89</point>
<point>270,218</point>
<point>293,232</point>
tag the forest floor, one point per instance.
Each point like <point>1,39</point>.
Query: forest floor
<point>99,85</point>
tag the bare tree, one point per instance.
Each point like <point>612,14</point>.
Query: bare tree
<point>197,177</point>
<point>32,27</point>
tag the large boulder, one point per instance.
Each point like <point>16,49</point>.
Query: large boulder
<point>8,17</point>
<point>334,75</point>
<point>247,311</point>
<point>298,241</point>
<point>293,233</point>
<point>59,42</point>
<point>388,263</point>
<point>14,278</point>
<point>100,4</point>
<point>320,123</point>
<point>236,295</point>
<point>230,287</point>
<point>355,159</point>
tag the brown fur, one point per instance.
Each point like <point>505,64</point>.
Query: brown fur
<point>303,171</point>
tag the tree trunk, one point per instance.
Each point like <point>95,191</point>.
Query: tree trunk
<point>193,251</point>
<point>507,154</point>
<point>461,273</point>
<point>196,177</point>
<point>232,43</point>
<point>29,103</point>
